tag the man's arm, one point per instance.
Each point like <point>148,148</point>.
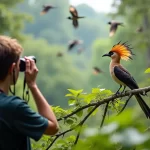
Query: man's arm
<point>43,107</point>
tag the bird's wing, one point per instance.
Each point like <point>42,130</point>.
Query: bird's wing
<point>45,10</point>
<point>113,29</point>
<point>118,23</point>
<point>124,76</point>
<point>71,45</point>
<point>73,11</point>
<point>75,23</point>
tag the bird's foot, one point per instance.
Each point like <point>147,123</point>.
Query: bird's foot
<point>117,93</point>
<point>144,93</point>
<point>126,91</point>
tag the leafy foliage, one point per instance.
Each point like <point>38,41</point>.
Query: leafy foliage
<point>124,131</point>
<point>147,70</point>
<point>8,18</point>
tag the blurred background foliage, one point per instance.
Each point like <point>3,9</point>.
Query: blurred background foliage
<point>45,36</point>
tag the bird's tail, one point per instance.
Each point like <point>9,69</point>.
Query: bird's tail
<point>81,17</point>
<point>143,105</point>
<point>111,33</point>
<point>121,24</point>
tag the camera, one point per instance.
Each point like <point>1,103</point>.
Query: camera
<point>23,63</point>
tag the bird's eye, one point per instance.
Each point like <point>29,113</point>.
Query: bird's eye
<point>111,53</point>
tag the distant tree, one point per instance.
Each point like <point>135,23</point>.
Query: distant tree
<point>136,14</point>
<point>11,20</point>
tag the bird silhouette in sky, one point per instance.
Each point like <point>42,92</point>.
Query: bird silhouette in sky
<point>139,29</point>
<point>97,70</point>
<point>46,8</point>
<point>59,54</point>
<point>74,17</point>
<point>73,43</point>
<point>113,27</point>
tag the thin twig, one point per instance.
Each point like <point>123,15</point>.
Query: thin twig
<point>77,138</point>
<point>52,142</point>
<point>125,104</point>
<point>76,111</point>
<point>82,122</point>
<point>105,111</point>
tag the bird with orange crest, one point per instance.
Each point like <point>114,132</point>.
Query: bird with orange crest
<point>120,75</point>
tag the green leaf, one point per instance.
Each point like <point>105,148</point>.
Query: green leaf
<point>80,113</point>
<point>67,95</point>
<point>105,93</point>
<point>73,125</point>
<point>79,91</point>
<point>90,97</point>
<point>57,148</point>
<point>75,92</point>
<point>60,141</point>
<point>147,70</point>
<point>71,102</point>
<point>69,121</point>
<point>95,90</point>
<point>82,95</point>
<point>71,138</point>
<point>74,118</point>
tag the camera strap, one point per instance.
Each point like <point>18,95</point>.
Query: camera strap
<point>25,95</point>
<point>14,89</point>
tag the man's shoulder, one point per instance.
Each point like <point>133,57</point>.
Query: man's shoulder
<point>10,101</point>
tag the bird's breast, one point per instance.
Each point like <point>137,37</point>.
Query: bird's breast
<point>114,76</point>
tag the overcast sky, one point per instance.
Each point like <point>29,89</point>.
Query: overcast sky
<point>98,5</point>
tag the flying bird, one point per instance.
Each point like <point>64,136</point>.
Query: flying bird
<point>46,8</point>
<point>113,27</point>
<point>120,75</point>
<point>73,43</point>
<point>97,70</point>
<point>74,17</point>
<point>140,29</point>
<point>59,54</point>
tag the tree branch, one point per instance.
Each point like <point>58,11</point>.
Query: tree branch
<point>52,142</point>
<point>105,111</point>
<point>108,99</point>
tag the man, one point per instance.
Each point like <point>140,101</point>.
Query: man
<point>18,122</point>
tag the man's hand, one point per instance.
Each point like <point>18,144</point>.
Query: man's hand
<point>30,72</point>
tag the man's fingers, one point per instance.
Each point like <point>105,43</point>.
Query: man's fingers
<point>33,66</point>
<point>27,65</point>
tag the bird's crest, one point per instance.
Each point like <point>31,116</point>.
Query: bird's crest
<point>123,49</point>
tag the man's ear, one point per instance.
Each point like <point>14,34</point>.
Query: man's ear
<point>12,67</point>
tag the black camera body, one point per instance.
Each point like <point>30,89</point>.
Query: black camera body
<point>23,63</point>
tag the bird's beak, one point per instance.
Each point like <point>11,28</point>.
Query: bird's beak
<point>106,55</point>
